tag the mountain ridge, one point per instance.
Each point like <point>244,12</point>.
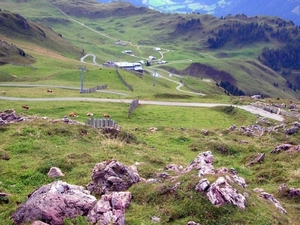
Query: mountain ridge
<point>289,10</point>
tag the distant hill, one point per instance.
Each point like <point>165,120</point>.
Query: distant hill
<point>236,50</point>
<point>289,10</point>
<point>14,27</point>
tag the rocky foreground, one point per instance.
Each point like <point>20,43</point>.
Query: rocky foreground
<point>105,198</point>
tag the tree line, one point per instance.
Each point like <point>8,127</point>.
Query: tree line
<point>189,24</point>
<point>247,33</point>
<point>286,57</point>
<point>239,33</point>
<point>231,89</point>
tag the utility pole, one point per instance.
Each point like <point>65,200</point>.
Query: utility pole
<point>83,69</point>
<point>154,75</point>
<point>180,77</point>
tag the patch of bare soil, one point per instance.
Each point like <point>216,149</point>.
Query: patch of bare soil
<point>205,71</point>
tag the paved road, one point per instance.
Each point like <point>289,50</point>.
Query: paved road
<point>248,108</point>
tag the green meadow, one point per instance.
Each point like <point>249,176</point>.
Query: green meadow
<point>28,149</point>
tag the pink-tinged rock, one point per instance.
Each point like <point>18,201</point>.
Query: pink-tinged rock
<point>114,204</point>
<point>55,172</point>
<point>54,202</point>
<point>202,185</point>
<point>110,176</point>
<point>38,222</point>
<point>203,163</point>
<point>220,192</point>
<point>272,199</point>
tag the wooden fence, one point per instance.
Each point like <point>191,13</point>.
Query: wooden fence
<point>90,90</point>
<point>124,82</point>
<point>133,105</point>
<point>101,122</point>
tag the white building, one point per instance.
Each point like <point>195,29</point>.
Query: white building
<point>130,66</point>
<point>127,51</point>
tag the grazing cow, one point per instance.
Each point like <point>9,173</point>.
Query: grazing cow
<point>49,90</point>
<point>106,115</point>
<point>25,107</point>
<point>90,114</point>
<point>3,92</point>
<point>73,114</point>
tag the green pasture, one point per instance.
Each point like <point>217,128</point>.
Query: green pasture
<point>144,116</point>
<point>29,148</point>
<point>34,145</point>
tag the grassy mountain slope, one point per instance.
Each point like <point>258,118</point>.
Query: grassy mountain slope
<point>17,29</point>
<point>95,27</point>
<point>29,148</point>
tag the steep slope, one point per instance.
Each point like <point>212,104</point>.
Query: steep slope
<point>15,28</point>
<point>93,10</point>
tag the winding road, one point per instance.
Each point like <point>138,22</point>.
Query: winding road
<point>248,108</point>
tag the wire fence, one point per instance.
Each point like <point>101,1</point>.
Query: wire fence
<point>123,81</point>
<point>132,106</point>
<point>90,90</point>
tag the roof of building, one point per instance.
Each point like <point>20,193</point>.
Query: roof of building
<point>124,64</point>
<point>135,65</point>
<point>138,68</point>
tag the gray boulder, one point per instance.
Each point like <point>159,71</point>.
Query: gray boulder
<point>203,163</point>
<point>55,172</point>
<point>192,223</point>
<point>220,192</point>
<point>54,202</point>
<point>9,116</point>
<point>110,209</point>
<point>272,199</point>
<point>281,147</point>
<point>38,222</point>
<point>109,176</point>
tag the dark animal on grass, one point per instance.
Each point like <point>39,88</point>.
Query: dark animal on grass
<point>106,115</point>
<point>3,92</point>
<point>49,90</point>
<point>25,107</point>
